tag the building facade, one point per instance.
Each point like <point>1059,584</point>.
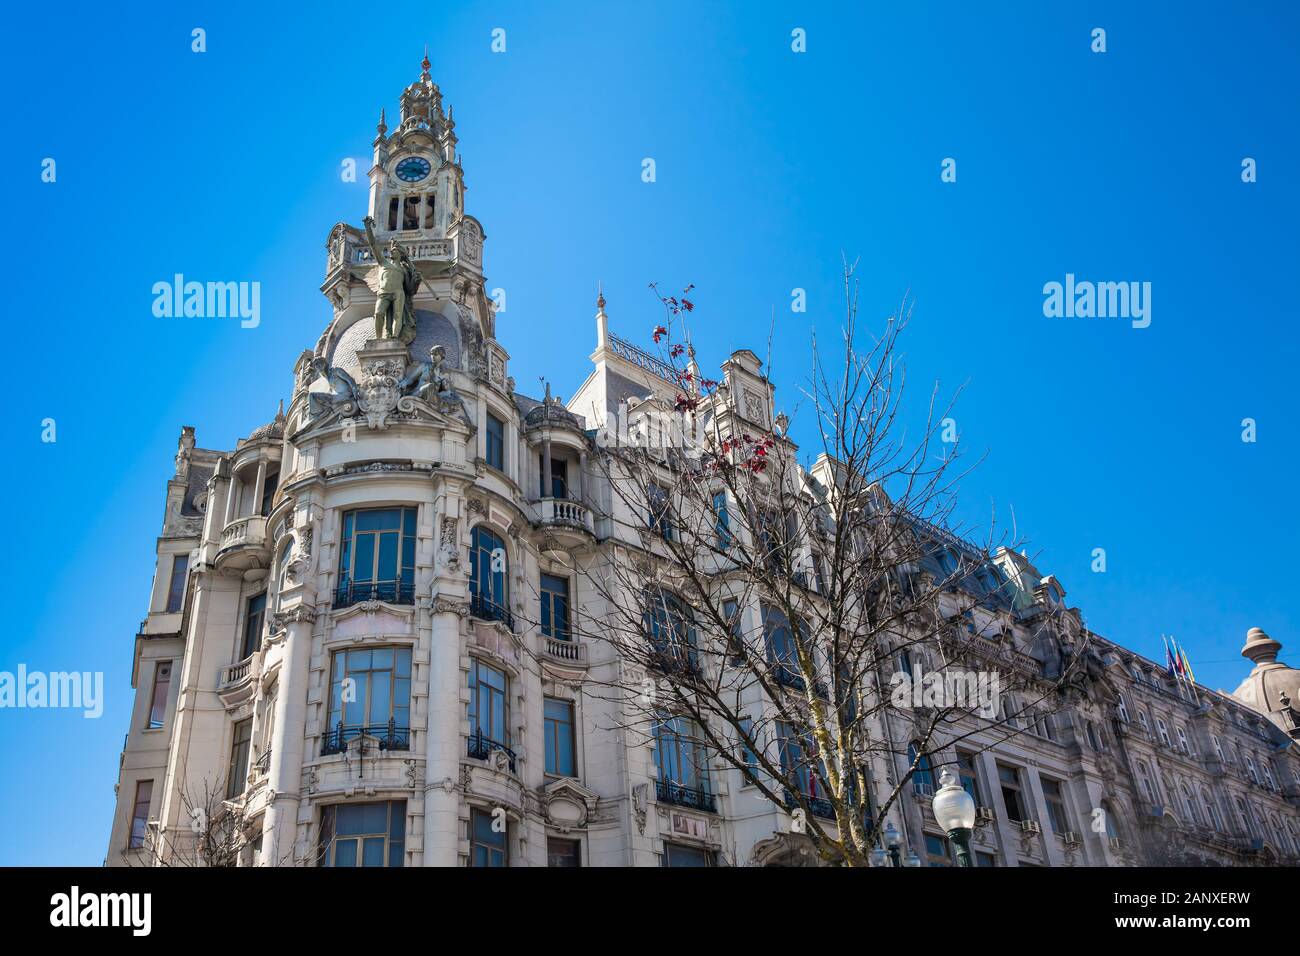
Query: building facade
<point>360,646</point>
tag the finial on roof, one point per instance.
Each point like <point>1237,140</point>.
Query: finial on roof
<point>1260,648</point>
<point>383,126</point>
<point>600,295</point>
<point>424,64</point>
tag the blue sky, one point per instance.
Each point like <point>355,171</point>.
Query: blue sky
<point>1122,166</point>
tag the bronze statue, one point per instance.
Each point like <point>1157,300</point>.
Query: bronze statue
<point>398,281</point>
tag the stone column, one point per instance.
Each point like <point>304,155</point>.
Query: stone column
<point>443,740</point>
<point>546,469</point>
<point>259,487</point>
<point>289,747</point>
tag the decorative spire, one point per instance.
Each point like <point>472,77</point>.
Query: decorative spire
<point>602,320</point>
<point>383,126</point>
<point>424,65</point>
<point>600,296</point>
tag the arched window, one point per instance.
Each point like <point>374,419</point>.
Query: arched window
<point>1108,817</point>
<point>282,568</point>
<point>1244,818</point>
<point>489,575</point>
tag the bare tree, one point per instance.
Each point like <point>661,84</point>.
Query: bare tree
<point>772,618</point>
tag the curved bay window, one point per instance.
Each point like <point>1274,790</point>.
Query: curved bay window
<point>363,834</point>
<point>370,694</point>
<point>670,628</point>
<point>783,650</point>
<point>489,576</point>
<point>683,763</point>
<point>377,557</point>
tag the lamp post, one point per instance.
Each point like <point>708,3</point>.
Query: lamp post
<point>954,811</point>
<point>893,840</point>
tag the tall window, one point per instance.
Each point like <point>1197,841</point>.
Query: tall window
<point>140,814</point>
<point>487,703</point>
<point>377,557</point>
<point>1163,731</point>
<point>1055,800</point>
<point>559,478</point>
<point>659,512</point>
<point>1211,814</point>
<point>268,493</point>
<point>747,755</point>
<point>1144,777</point>
<point>969,778</point>
<point>681,758</point>
<point>176,587</point>
<point>563,853</point>
<point>237,769</point>
<point>721,520</point>
<point>670,627</point>
<point>496,442</point>
<point>923,775</point>
<point>1218,746</point>
<point>782,650</point>
<point>489,579</point>
<point>555,607</point>
<point>1123,709</point>
<point>735,643</point>
<point>1244,817</point>
<point>364,834</point>
<point>558,725</point>
<point>487,842</point>
<point>799,760</point>
<point>1012,798</point>
<point>162,683</point>
<point>1183,745</point>
<point>370,692</point>
<point>254,619</point>
<point>1189,804</point>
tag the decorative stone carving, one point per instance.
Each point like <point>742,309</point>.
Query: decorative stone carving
<point>640,802</point>
<point>443,606</point>
<point>342,394</point>
<point>447,544</point>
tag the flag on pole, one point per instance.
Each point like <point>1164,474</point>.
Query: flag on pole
<point>1169,657</point>
<point>1187,665</point>
<point>1178,658</point>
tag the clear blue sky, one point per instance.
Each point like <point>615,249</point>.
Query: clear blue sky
<point>225,166</point>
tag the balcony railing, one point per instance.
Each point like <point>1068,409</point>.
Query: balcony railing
<point>391,592</point>
<point>250,531</point>
<point>668,791</point>
<point>819,807</point>
<point>570,652</point>
<point>233,674</point>
<point>788,676</point>
<point>263,765</point>
<point>390,736</point>
<point>484,608</point>
<point>564,513</point>
<point>481,747</point>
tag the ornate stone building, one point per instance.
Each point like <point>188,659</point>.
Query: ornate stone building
<point>360,646</point>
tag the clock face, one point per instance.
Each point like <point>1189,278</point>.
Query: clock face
<point>412,169</point>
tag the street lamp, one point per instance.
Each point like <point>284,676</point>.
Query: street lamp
<point>954,811</point>
<point>893,840</point>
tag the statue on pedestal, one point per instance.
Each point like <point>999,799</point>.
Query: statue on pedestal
<point>425,379</point>
<point>397,282</point>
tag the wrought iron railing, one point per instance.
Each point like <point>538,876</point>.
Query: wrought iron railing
<point>669,791</point>
<point>481,747</point>
<point>484,608</point>
<point>390,736</point>
<point>392,592</point>
<point>787,676</point>
<point>819,807</point>
<point>263,765</point>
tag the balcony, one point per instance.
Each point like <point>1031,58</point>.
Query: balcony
<point>389,735</point>
<point>668,791</point>
<point>788,676</point>
<point>569,519</point>
<point>482,748</point>
<point>244,545</point>
<point>485,609</point>
<point>349,593</point>
<point>819,807</point>
<point>568,653</point>
<point>235,684</point>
